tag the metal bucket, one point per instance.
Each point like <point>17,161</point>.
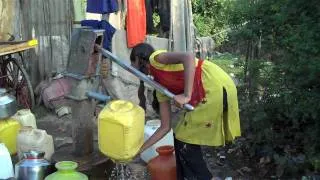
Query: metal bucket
<point>8,104</point>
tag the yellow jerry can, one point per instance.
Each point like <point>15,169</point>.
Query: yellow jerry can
<point>121,130</point>
<point>9,129</point>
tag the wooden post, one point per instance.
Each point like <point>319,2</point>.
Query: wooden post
<point>82,127</point>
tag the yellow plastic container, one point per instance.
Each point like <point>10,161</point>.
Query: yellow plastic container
<point>9,129</point>
<point>121,130</point>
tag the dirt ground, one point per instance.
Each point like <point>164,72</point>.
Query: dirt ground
<point>222,162</point>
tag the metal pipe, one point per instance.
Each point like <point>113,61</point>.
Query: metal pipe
<point>98,96</point>
<point>141,76</point>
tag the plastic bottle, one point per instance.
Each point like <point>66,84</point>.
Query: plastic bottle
<point>120,130</point>
<point>9,129</point>
<point>66,171</point>
<point>164,165</point>
<point>26,118</point>
<point>36,140</point>
<point>6,167</point>
<point>149,129</point>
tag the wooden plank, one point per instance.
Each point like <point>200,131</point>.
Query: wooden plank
<point>9,49</point>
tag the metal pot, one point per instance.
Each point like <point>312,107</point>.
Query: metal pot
<point>8,104</point>
<point>33,167</point>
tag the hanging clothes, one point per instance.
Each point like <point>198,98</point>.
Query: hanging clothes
<point>136,22</point>
<point>109,30</point>
<point>91,23</point>
<point>102,6</point>
<point>162,7</point>
<point>149,18</point>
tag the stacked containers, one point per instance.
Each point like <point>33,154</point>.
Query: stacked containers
<point>120,130</point>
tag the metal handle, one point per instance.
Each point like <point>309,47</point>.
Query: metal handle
<point>98,96</point>
<point>171,95</point>
<point>141,76</point>
<point>188,107</point>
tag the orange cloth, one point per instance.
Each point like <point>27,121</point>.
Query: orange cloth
<point>136,22</point>
<point>173,79</point>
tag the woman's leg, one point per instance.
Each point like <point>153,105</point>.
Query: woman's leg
<point>190,162</point>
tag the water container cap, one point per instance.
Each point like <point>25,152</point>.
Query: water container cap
<point>6,99</point>
<point>24,111</point>
<point>66,165</point>
<point>121,106</point>
<point>3,147</point>
<point>2,91</point>
<point>34,154</point>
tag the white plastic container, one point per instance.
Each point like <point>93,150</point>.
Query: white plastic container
<point>34,139</point>
<point>26,118</point>
<point>6,168</point>
<point>149,129</point>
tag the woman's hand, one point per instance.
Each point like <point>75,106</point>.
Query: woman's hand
<point>181,99</point>
<point>163,129</point>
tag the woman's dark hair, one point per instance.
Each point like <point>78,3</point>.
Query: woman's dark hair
<point>144,51</point>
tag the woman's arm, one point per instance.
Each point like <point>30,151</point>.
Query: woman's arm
<point>163,129</point>
<point>187,59</point>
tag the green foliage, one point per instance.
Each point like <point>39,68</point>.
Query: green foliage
<point>278,45</point>
<point>280,92</point>
<point>210,18</point>
<point>226,62</point>
<point>156,19</point>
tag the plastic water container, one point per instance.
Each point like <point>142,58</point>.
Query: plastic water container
<point>9,129</point>
<point>120,130</point>
<point>149,129</point>
<point>6,168</point>
<point>26,118</point>
<point>30,139</point>
<point>66,171</point>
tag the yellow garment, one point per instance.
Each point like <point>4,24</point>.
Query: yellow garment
<point>207,124</point>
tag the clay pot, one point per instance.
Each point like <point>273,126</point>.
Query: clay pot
<point>164,165</point>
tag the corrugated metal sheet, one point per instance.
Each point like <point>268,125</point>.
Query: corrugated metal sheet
<point>49,21</point>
